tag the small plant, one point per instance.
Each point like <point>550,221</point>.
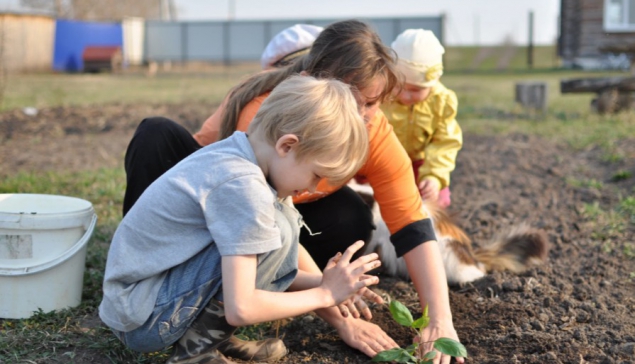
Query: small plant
<point>402,315</point>
<point>621,176</point>
<point>592,211</point>
<point>584,183</point>
<point>613,157</point>
<point>627,207</point>
<point>629,250</point>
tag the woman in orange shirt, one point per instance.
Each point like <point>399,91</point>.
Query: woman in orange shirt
<point>335,216</point>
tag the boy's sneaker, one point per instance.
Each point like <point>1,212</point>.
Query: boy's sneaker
<point>268,350</point>
<point>212,357</point>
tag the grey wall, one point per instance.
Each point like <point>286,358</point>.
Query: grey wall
<point>245,40</point>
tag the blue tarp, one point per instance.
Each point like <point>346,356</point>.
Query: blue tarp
<point>72,36</point>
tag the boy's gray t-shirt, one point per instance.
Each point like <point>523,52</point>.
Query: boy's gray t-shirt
<point>217,195</point>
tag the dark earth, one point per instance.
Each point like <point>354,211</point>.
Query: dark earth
<point>579,307</point>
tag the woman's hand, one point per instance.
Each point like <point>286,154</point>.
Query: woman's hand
<point>343,278</point>
<point>432,332</point>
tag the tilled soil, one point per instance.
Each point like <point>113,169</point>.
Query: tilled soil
<point>576,308</point>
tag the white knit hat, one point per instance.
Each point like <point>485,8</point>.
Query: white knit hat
<point>289,42</point>
<point>420,56</point>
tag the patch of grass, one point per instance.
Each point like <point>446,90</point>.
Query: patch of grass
<point>460,59</point>
<point>627,207</point>
<point>47,90</point>
<point>621,175</point>
<point>608,226</point>
<point>55,337</point>
<point>487,106</point>
<point>592,211</point>
<point>611,225</point>
<point>629,250</point>
<point>613,157</point>
<point>584,183</point>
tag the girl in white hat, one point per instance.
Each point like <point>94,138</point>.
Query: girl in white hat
<point>423,114</point>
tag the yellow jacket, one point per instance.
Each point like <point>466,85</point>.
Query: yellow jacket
<point>429,130</point>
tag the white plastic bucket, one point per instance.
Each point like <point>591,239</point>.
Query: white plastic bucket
<point>42,252</point>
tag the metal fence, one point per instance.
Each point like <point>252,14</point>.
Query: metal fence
<point>232,41</point>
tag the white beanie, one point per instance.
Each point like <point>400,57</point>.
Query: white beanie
<point>420,57</point>
<point>290,41</point>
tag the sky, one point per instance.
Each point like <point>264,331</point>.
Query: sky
<point>468,22</point>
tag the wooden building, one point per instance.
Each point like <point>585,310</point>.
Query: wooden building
<point>26,42</point>
<point>594,30</point>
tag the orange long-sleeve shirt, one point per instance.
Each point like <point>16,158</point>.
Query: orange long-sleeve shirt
<point>388,170</point>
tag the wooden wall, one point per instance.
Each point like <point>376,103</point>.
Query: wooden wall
<point>26,42</point>
<point>582,31</point>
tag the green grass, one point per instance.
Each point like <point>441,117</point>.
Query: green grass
<point>461,59</point>
<point>486,106</point>
<point>45,90</point>
<point>609,225</point>
<point>590,183</point>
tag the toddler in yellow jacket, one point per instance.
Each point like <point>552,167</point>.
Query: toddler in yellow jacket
<point>423,114</point>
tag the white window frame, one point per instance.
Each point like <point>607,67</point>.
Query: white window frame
<point>623,26</point>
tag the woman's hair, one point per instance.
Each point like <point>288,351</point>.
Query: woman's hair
<point>324,116</point>
<point>350,51</point>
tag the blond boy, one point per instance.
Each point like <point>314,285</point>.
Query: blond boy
<point>212,244</point>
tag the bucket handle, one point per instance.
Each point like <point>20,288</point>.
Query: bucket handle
<point>57,261</point>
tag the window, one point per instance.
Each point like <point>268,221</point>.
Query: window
<point>619,15</point>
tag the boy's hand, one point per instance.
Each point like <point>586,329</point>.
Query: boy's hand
<point>365,336</point>
<point>343,278</point>
<point>429,189</point>
<point>356,304</point>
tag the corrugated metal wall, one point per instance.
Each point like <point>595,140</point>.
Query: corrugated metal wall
<point>26,42</point>
<point>245,40</point>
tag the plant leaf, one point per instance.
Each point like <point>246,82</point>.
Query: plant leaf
<point>405,357</point>
<point>421,322</point>
<point>430,355</point>
<point>388,355</point>
<point>397,355</point>
<point>400,313</point>
<point>450,347</point>
<point>412,348</point>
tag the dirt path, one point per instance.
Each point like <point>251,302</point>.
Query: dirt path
<point>577,308</point>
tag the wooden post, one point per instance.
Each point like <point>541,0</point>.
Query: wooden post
<point>532,95</point>
<point>530,43</point>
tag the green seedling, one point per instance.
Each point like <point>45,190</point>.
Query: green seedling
<point>621,176</point>
<point>445,345</point>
